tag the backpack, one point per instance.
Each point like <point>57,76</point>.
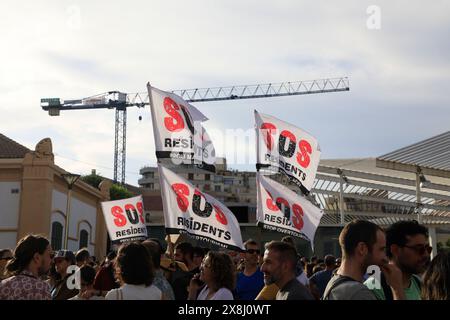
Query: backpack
<point>337,283</point>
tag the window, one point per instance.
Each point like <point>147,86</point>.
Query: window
<point>207,187</point>
<point>190,176</point>
<point>151,186</point>
<point>84,238</point>
<point>57,235</point>
<point>217,188</point>
<point>207,177</point>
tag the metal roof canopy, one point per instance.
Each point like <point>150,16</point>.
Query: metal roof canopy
<point>431,156</point>
<point>377,198</point>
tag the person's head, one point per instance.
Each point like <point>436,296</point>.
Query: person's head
<point>309,269</point>
<point>87,276</point>
<point>32,253</point>
<point>330,262</point>
<point>436,279</point>
<point>251,254</point>
<point>184,252</point>
<point>407,245</point>
<point>217,271</point>
<point>288,239</point>
<point>5,256</point>
<point>155,251</point>
<point>318,267</point>
<point>63,259</point>
<point>198,255</point>
<point>279,262</point>
<point>82,257</point>
<point>364,243</point>
<point>134,265</point>
<point>304,260</point>
<point>110,257</point>
<point>338,262</point>
<point>314,260</point>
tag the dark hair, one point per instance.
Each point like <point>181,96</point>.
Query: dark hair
<point>330,260</point>
<point>134,263</point>
<point>199,251</point>
<point>436,280</point>
<point>398,232</point>
<point>186,248</point>
<point>24,252</point>
<point>355,232</point>
<point>159,243</point>
<point>250,241</point>
<point>222,269</point>
<point>87,274</point>
<point>154,249</point>
<point>82,255</point>
<point>286,250</point>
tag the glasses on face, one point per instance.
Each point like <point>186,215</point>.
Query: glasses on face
<point>253,251</point>
<point>420,248</point>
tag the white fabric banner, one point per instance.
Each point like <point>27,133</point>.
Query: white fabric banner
<point>178,131</point>
<point>282,210</point>
<point>125,219</point>
<point>287,148</point>
<point>189,211</point>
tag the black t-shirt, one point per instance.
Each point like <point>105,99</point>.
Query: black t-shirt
<point>294,290</point>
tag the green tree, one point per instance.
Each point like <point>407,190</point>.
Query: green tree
<point>118,192</point>
<point>92,179</point>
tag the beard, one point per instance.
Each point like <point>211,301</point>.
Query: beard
<point>414,269</point>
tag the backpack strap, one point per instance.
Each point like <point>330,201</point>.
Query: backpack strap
<point>337,283</point>
<point>386,288</point>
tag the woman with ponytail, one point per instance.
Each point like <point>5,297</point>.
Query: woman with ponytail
<point>30,261</point>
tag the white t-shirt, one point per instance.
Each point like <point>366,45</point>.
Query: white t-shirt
<point>221,294</point>
<point>134,292</point>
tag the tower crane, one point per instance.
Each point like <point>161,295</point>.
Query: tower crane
<point>121,101</point>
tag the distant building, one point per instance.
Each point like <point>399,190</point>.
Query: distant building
<point>33,199</point>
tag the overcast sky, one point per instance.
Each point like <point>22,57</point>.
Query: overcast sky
<point>399,73</point>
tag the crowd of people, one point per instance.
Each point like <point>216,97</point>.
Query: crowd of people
<point>375,264</point>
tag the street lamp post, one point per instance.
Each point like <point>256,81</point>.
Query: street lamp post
<point>70,179</point>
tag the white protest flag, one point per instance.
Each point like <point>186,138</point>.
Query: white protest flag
<point>189,211</point>
<point>178,131</point>
<point>287,148</point>
<point>282,210</point>
<point>125,219</point>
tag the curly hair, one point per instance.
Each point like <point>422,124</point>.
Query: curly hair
<point>436,280</point>
<point>222,269</point>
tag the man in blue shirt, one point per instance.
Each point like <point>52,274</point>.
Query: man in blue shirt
<point>318,282</point>
<point>251,280</point>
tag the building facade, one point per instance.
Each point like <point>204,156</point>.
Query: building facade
<point>33,200</point>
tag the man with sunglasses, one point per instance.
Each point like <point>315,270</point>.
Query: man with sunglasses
<point>407,247</point>
<point>5,256</point>
<point>251,280</point>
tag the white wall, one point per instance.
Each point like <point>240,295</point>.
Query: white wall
<point>79,211</point>
<point>9,204</point>
<point>9,213</point>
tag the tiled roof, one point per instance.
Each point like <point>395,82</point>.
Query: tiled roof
<point>11,149</point>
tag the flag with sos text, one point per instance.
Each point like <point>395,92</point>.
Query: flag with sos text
<point>178,131</point>
<point>282,210</point>
<point>287,148</point>
<point>125,219</point>
<point>189,211</point>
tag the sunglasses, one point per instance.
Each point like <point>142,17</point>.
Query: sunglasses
<point>252,251</point>
<point>421,249</point>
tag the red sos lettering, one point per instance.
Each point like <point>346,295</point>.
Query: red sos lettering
<point>297,211</point>
<point>175,122</point>
<point>182,192</point>
<point>305,150</point>
<point>120,220</point>
<point>130,214</point>
<point>268,131</point>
